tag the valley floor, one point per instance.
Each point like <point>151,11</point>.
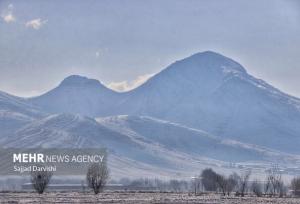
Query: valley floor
<point>139,198</point>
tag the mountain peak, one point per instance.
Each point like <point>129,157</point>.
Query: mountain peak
<point>77,80</point>
<point>207,68</point>
<point>209,53</point>
<point>214,60</point>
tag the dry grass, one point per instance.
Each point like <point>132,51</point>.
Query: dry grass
<point>132,198</point>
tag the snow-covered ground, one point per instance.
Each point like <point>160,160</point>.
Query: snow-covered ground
<point>137,198</point>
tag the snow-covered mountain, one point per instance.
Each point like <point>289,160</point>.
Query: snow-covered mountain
<point>216,94</point>
<point>141,142</point>
<point>131,136</point>
<point>206,91</point>
<point>204,109</point>
<point>16,104</point>
<point>14,113</point>
<point>77,94</point>
<point>211,92</point>
<point>190,141</point>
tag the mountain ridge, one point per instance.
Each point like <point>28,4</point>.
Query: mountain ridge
<point>204,110</point>
<point>206,91</point>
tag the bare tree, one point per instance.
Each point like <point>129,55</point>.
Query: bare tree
<point>256,188</point>
<point>97,176</point>
<point>40,180</point>
<point>243,183</point>
<point>295,186</point>
<point>222,183</point>
<point>83,186</point>
<point>275,183</point>
<point>196,184</point>
<point>281,189</point>
<point>232,182</point>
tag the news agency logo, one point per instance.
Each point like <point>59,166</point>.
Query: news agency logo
<point>63,161</point>
<point>41,158</point>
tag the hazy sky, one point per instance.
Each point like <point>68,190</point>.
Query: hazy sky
<point>121,43</point>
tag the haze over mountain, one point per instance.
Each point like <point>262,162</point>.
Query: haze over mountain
<point>207,91</point>
<point>216,94</point>
<point>203,110</point>
<point>145,141</point>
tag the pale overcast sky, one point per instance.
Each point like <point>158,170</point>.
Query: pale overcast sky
<point>123,42</point>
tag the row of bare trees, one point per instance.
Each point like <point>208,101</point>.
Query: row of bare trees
<point>216,182</point>
<point>240,184</point>
<point>98,174</point>
<point>96,177</point>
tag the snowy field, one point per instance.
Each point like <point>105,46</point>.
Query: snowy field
<point>132,198</point>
